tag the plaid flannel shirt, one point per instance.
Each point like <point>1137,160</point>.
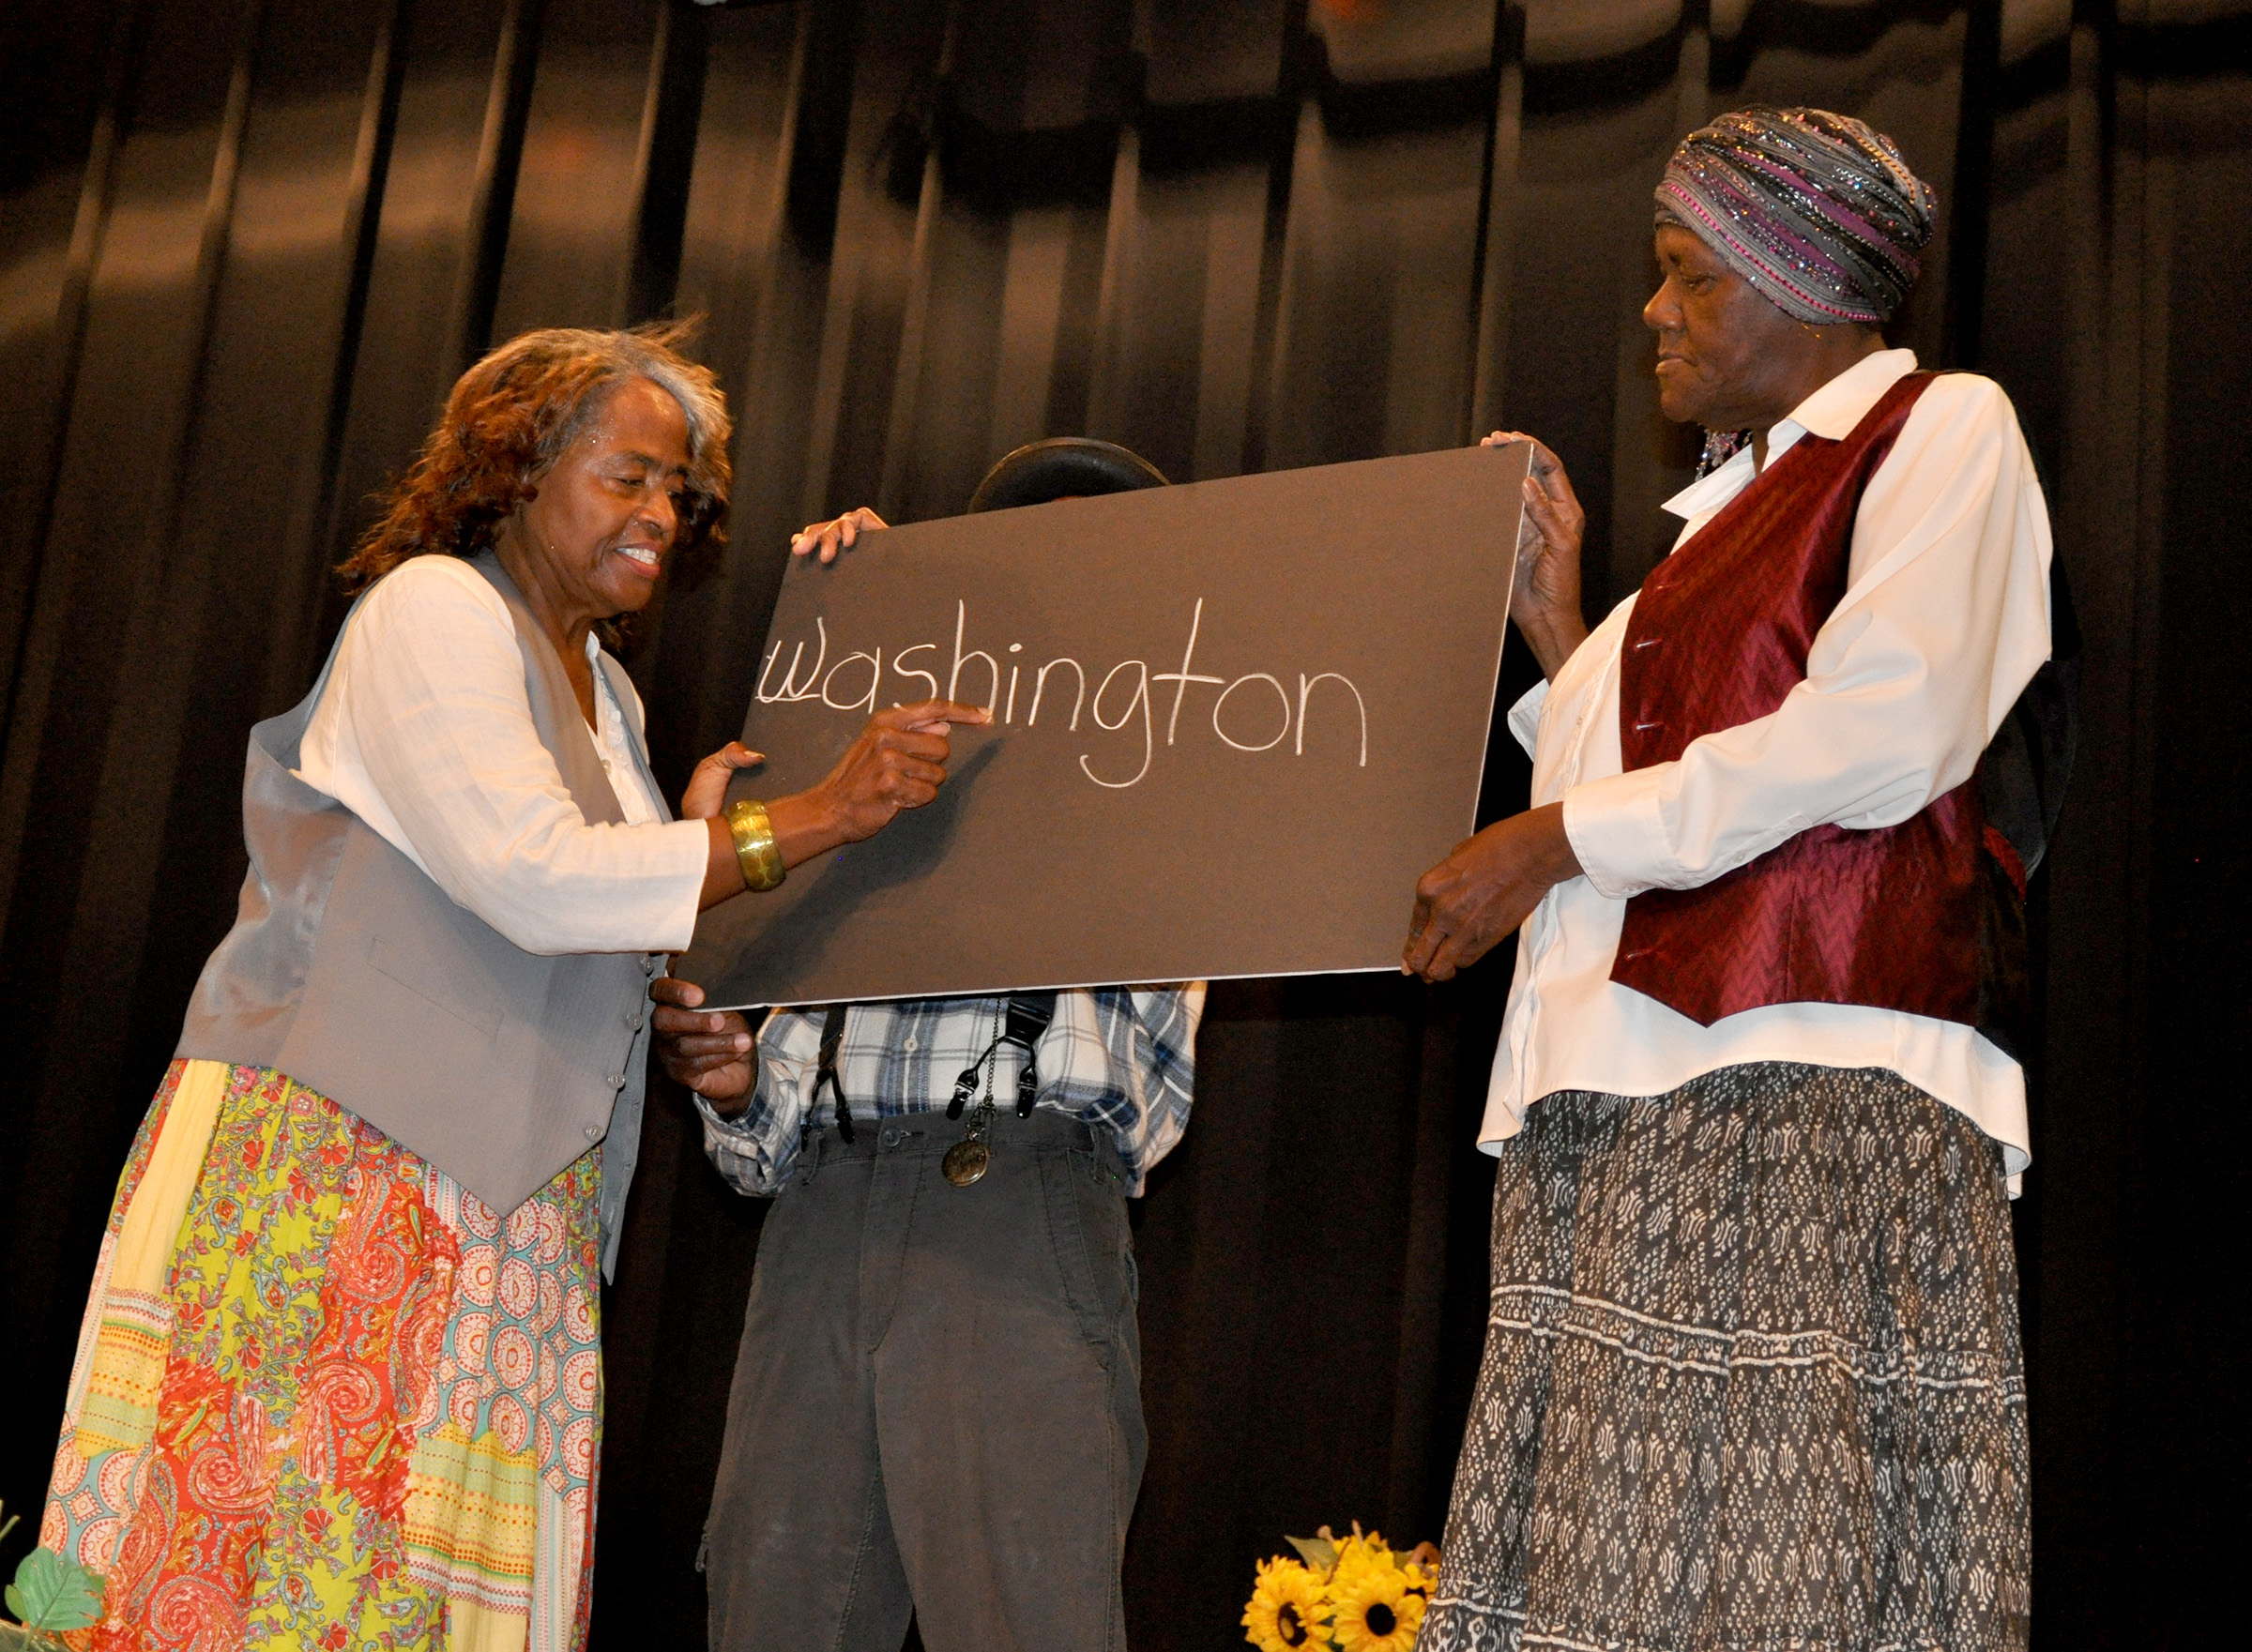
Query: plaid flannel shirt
<point>1120,1058</point>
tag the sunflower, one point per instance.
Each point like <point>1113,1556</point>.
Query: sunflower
<point>1358,1554</point>
<point>1376,1611</point>
<point>1420,1567</point>
<point>1286,1611</point>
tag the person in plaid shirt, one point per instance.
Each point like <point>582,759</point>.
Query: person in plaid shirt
<point>1118,1060</point>
<point>936,1408</point>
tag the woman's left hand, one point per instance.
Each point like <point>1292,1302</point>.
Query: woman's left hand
<point>707,793</point>
<point>1544,600</point>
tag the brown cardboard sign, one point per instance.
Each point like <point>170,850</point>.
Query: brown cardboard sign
<point>1234,722</point>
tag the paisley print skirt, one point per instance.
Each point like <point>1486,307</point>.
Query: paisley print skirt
<point>324,1397</point>
<point>1752,1382</point>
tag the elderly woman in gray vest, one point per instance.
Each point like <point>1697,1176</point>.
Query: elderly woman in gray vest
<point>340,1382</point>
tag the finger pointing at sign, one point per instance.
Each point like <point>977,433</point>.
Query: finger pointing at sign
<point>898,762</point>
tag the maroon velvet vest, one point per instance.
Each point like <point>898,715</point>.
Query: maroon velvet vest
<point>1891,918</point>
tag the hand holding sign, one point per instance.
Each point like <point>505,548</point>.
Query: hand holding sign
<point>1491,882</point>
<point>1544,600</point>
<point>822,540</point>
<point>706,1051</point>
<point>1484,890</point>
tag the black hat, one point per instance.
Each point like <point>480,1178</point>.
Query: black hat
<point>1062,466</point>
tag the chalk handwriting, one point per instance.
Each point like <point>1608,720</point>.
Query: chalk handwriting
<point>1040,687</point>
<point>1305,686</point>
<point>1182,677</point>
<point>1280,735</point>
<point>1240,716</point>
<point>1141,699</point>
<point>791,689</point>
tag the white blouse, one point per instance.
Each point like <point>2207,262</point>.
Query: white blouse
<point>1944,621</point>
<point>425,731</point>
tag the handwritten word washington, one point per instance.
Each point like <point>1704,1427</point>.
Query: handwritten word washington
<point>1255,712</point>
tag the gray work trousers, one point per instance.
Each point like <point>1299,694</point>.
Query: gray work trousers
<point>937,1403</point>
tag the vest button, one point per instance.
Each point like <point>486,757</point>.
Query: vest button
<point>618,1080</point>
<point>594,1132</point>
<point>648,966</point>
<point>634,1020</point>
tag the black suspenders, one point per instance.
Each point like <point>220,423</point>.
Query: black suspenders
<point>1028,1019</point>
<point>832,1040</point>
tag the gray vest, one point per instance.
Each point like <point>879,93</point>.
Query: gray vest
<point>352,972</point>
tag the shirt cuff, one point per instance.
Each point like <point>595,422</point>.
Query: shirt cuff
<point>686,848</point>
<point>1525,716</point>
<point>1617,832</point>
<point>736,1129</point>
<point>741,1150</point>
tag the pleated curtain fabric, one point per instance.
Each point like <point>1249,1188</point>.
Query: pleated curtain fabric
<point>245,245</point>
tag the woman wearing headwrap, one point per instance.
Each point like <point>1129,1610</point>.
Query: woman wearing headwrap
<point>1753,1377</point>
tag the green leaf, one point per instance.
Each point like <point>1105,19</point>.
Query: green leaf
<point>52,1593</point>
<point>1318,1553</point>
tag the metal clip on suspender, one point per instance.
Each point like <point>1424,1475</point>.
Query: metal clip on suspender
<point>832,1040</point>
<point>1028,1018</point>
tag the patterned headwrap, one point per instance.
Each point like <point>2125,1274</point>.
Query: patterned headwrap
<point>1817,210</point>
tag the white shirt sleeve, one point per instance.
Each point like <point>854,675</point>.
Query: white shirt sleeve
<point>1944,621</point>
<point>425,733</point>
<point>1525,716</point>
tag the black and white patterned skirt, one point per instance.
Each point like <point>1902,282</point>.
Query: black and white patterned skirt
<point>1753,1380</point>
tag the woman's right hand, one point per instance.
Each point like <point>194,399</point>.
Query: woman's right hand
<point>1543,599</point>
<point>898,762</point>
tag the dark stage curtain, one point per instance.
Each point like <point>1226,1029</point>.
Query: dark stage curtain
<point>246,244</point>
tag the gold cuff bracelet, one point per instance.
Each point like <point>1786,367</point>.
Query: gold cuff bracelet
<point>756,850</point>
